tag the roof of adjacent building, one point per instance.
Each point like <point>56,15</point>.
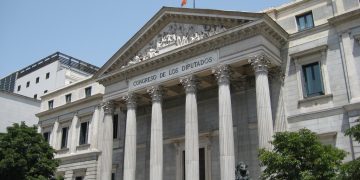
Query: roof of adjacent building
<point>64,59</point>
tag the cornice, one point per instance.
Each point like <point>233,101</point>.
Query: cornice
<point>265,27</point>
<point>320,48</point>
<point>345,17</point>
<point>69,105</point>
<point>308,32</point>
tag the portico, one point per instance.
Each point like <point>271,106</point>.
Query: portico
<point>230,59</point>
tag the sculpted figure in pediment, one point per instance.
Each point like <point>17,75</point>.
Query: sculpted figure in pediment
<point>173,36</point>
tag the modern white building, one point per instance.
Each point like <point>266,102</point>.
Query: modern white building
<point>50,73</point>
<point>195,91</point>
<point>12,104</point>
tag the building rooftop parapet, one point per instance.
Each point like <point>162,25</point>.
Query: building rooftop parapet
<point>64,59</point>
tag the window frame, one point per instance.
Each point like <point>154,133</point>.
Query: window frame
<point>48,137</point>
<point>52,104</point>
<point>86,138</point>
<point>66,140</point>
<point>87,89</point>
<point>317,54</point>
<point>304,15</point>
<point>37,80</point>
<point>306,82</point>
<point>68,98</point>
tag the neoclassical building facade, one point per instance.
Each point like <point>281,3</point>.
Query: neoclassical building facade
<point>195,91</point>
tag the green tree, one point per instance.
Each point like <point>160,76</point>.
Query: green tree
<point>300,155</point>
<point>25,155</point>
<point>351,170</point>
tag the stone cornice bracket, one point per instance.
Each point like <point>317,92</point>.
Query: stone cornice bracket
<point>108,107</point>
<point>222,74</point>
<point>260,63</point>
<point>156,93</point>
<point>130,100</point>
<point>189,82</point>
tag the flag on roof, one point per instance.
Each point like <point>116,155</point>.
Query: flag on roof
<point>183,3</point>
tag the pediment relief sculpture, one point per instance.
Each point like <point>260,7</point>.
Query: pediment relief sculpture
<point>173,36</point>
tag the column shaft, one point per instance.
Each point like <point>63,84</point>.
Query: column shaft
<point>107,145</point>
<point>226,134</point>
<point>156,142</point>
<point>130,139</point>
<point>73,135</point>
<point>95,127</point>
<point>263,103</point>
<point>191,129</point>
<point>54,135</point>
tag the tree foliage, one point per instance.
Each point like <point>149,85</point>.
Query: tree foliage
<point>351,170</point>
<point>25,155</point>
<point>300,155</point>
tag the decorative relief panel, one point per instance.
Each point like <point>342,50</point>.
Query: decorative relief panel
<point>173,36</point>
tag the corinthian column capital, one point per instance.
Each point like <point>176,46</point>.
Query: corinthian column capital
<point>260,63</point>
<point>108,107</point>
<point>222,74</point>
<point>189,83</point>
<point>156,93</point>
<point>130,100</point>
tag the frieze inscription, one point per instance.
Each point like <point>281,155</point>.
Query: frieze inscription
<point>173,71</point>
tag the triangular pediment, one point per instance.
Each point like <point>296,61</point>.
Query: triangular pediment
<point>171,29</point>
<point>173,36</point>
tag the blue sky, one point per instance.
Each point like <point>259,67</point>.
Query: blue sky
<point>90,30</point>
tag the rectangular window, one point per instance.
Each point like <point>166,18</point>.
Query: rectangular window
<point>312,79</point>
<point>46,136</point>
<point>47,75</point>
<point>35,96</point>
<point>79,178</point>
<point>51,104</point>
<point>64,137</point>
<point>88,91</point>
<point>19,87</point>
<point>37,80</point>
<point>68,98</point>
<point>115,126</point>
<point>201,164</point>
<point>305,21</point>
<point>28,84</point>
<point>83,133</point>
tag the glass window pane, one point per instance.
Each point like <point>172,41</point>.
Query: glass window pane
<point>309,21</point>
<point>313,81</point>
<point>301,23</point>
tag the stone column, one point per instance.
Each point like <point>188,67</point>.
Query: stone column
<point>352,74</point>
<point>107,144</point>
<point>156,142</point>
<point>191,129</point>
<point>130,138</point>
<point>260,65</point>
<point>95,127</point>
<point>226,133</point>
<point>54,135</point>
<point>73,135</point>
